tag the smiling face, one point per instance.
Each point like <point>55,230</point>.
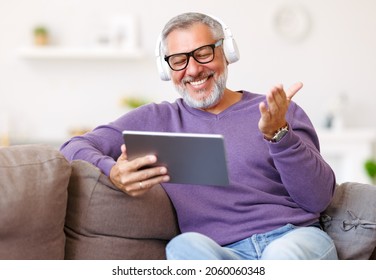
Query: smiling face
<point>201,85</point>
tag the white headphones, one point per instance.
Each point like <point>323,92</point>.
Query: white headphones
<point>229,47</point>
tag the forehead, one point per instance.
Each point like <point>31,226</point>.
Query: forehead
<point>188,39</point>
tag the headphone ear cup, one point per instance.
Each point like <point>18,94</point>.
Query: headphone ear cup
<point>230,47</point>
<point>231,50</point>
<point>164,72</point>
<point>162,67</point>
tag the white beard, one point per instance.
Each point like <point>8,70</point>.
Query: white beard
<point>207,102</point>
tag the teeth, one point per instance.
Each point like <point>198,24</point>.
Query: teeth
<point>197,83</point>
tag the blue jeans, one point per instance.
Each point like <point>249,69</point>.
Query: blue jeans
<point>286,243</point>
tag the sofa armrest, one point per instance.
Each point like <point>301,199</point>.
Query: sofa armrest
<point>104,223</point>
<point>33,199</point>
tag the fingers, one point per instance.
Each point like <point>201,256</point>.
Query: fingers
<point>293,90</point>
<point>135,177</point>
<point>273,111</point>
<point>123,149</point>
<point>149,177</point>
<point>140,169</point>
<point>141,162</point>
<point>265,114</point>
<point>141,187</point>
<point>278,99</point>
<point>123,155</point>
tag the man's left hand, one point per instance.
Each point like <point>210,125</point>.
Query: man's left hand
<point>273,114</point>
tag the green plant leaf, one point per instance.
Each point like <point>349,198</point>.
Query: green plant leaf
<point>370,167</point>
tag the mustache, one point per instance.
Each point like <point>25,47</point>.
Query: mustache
<point>203,75</point>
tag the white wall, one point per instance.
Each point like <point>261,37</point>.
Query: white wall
<point>44,99</point>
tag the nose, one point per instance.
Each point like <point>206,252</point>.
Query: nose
<point>193,67</point>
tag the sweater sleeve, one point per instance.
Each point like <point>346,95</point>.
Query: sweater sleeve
<point>309,180</point>
<point>101,147</point>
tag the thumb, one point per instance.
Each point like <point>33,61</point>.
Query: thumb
<point>293,90</point>
<point>123,155</point>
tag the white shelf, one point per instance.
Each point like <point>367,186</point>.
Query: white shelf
<point>351,135</point>
<point>347,150</point>
<point>77,53</point>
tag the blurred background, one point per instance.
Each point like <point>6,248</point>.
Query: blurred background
<point>97,62</point>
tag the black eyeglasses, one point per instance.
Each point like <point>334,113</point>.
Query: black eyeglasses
<point>203,55</point>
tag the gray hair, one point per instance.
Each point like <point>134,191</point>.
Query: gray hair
<point>186,20</point>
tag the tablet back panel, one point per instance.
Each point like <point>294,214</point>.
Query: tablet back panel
<point>190,158</point>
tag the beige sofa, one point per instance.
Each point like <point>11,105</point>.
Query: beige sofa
<point>51,209</point>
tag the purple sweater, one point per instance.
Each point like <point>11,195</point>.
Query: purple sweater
<point>271,184</point>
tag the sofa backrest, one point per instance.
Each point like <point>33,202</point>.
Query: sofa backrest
<point>350,220</point>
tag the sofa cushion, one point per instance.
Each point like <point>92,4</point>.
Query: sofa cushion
<point>350,220</point>
<point>104,223</point>
<point>33,198</point>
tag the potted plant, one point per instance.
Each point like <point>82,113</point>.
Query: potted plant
<point>40,35</point>
<point>370,167</point>
<point>133,102</point>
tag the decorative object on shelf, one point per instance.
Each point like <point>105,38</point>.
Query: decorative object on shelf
<point>133,102</point>
<point>370,167</point>
<point>117,40</point>
<point>123,32</point>
<point>292,22</point>
<point>41,35</point>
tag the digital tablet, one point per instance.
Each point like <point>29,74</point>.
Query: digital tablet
<point>190,158</point>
